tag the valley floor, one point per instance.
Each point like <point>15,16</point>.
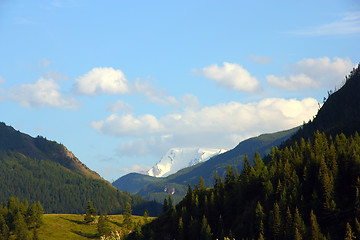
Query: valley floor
<point>72,226</point>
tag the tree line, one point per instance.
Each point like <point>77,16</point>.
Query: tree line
<point>19,220</point>
<point>310,190</point>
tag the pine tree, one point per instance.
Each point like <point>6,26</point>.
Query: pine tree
<point>297,235</point>
<point>146,216</point>
<point>315,231</point>
<point>21,230</point>
<point>180,235</point>
<point>246,170</point>
<point>4,229</point>
<point>259,219</point>
<point>127,223</point>
<point>205,232</point>
<point>298,224</point>
<point>103,226</point>
<point>276,225</point>
<point>349,235</point>
<point>90,213</point>
<point>201,184</point>
<point>165,205</point>
<point>288,231</point>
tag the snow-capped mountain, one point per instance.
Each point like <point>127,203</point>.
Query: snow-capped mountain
<point>178,158</point>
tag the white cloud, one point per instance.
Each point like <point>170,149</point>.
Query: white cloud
<point>313,73</point>
<point>42,93</point>
<point>218,126</point>
<point>153,94</point>
<point>261,59</point>
<point>127,125</point>
<point>120,106</point>
<point>44,63</point>
<point>232,76</point>
<point>190,101</point>
<point>293,82</point>
<point>2,80</point>
<point>102,81</point>
<point>348,24</point>
<point>56,76</point>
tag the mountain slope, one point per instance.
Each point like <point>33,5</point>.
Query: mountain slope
<point>339,114</point>
<point>310,189</point>
<point>133,182</point>
<point>45,171</point>
<point>177,183</point>
<point>41,148</point>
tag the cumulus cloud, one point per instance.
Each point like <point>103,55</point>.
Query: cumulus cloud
<point>313,73</point>
<point>153,94</point>
<point>42,93</point>
<point>120,106</point>
<point>348,24</point>
<point>127,125</point>
<point>102,81</point>
<point>232,76</point>
<point>190,101</point>
<point>221,125</point>
<point>261,59</point>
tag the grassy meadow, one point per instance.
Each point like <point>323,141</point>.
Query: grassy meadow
<point>72,226</point>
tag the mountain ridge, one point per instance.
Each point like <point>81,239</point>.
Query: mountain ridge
<point>177,183</point>
<point>41,170</point>
<point>177,158</point>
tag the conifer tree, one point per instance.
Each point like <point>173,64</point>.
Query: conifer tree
<point>90,213</point>
<point>146,216</point>
<point>288,231</point>
<point>349,235</point>
<point>246,170</point>
<point>205,232</point>
<point>127,223</point>
<point>21,230</point>
<point>298,224</point>
<point>201,184</point>
<point>259,219</point>
<point>276,225</point>
<point>180,235</point>
<point>165,205</point>
<point>315,231</point>
<point>4,229</point>
<point>103,226</point>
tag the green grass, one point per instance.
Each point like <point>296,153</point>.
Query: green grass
<point>71,226</point>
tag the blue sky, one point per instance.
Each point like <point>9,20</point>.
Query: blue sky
<point>121,82</point>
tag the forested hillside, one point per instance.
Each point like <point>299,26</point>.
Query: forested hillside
<point>308,191</point>
<point>45,171</point>
<point>309,188</point>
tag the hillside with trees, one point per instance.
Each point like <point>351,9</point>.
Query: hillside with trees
<point>45,171</point>
<point>309,188</point>
<point>308,191</point>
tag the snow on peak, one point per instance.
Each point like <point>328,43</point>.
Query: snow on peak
<point>179,158</point>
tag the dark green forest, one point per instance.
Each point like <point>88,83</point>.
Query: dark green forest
<point>59,189</point>
<point>41,170</point>
<point>308,191</point>
<point>308,188</point>
<point>19,220</point>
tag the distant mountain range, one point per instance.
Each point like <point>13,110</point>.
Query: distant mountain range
<point>179,158</point>
<point>41,170</point>
<point>339,114</point>
<point>176,184</point>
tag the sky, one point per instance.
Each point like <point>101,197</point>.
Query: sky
<point>121,82</point>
